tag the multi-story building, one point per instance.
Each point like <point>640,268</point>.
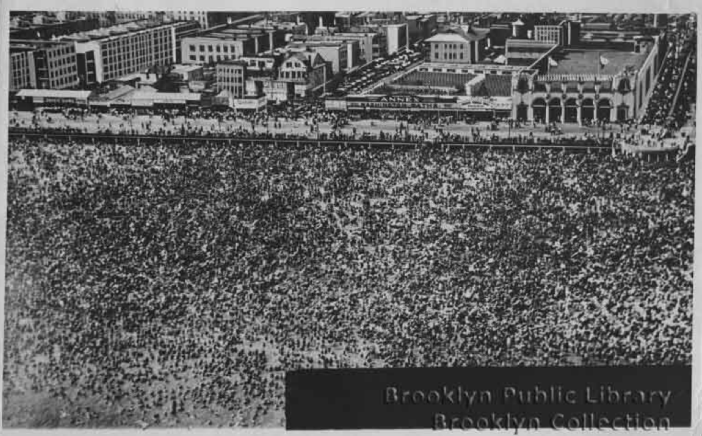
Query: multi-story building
<point>420,27</point>
<point>47,29</point>
<point>549,33</point>
<point>296,74</point>
<point>333,52</point>
<point>231,77</point>
<point>575,85</point>
<point>43,65</point>
<point>353,46</point>
<point>184,29</point>
<point>228,43</point>
<point>122,17</point>
<point>118,51</point>
<point>463,45</point>
<point>397,37</point>
<point>22,74</point>
<point>565,32</point>
<point>207,19</point>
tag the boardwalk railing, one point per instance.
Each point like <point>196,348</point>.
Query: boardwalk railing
<point>291,142</point>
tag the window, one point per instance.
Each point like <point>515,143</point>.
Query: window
<point>192,48</point>
<point>219,49</point>
<point>202,48</point>
<point>209,48</point>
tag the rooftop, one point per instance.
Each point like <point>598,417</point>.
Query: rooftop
<point>460,34</point>
<point>166,96</point>
<point>186,68</point>
<point>315,43</point>
<point>54,93</point>
<point>25,44</point>
<point>586,61</point>
<point>119,29</point>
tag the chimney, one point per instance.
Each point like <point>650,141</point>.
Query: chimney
<point>229,20</point>
<point>321,22</point>
<point>298,19</point>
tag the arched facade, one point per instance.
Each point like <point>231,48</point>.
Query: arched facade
<point>522,112</point>
<point>571,111</point>
<point>604,109</point>
<point>539,107</point>
<point>587,111</point>
<point>555,110</point>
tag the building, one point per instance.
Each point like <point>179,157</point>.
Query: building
<point>209,19</point>
<point>353,46</point>
<point>123,17</point>
<point>333,52</point>
<point>297,74</point>
<point>43,65</point>
<point>47,28</point>
<point>420,27</point>
<point>114,52</point>
<point>366,43</point>
<point>464,45</point>
<point>28,99</point>
<point>184,29</point>
<point>260,65</point>
<point>22,72</point>
<point>397,37</point>
<point>588,82</point>
<point>230,42</point>
<point>187,73</point>
<point>480,91</point>
<point>231,77</point>
<point>549,33</point>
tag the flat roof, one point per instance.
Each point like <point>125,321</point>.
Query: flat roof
<point>168,96</point>
<point>313,43</point>
<point>186,68</point>
<point>586,61</point>
<point>54,93</point>
<point>141,76</point>
<point>117,30</point>
<point>33,43</point>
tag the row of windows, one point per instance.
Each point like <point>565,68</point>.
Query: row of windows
<point>293,74</point>
<point>449,55</point>
<point>210,48</point>
<point>66,60</point>
<point>20,65</point>
<point>58,72</point>
<point>130,45</point>
<point>230,79</point>
<point>161,54</point>
<point>449,46</point>
<point>63,82</point>
<point>58,51</point>
<point>210,58</point>
<point>122,69</point>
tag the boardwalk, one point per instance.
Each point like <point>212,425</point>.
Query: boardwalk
<point>357,143</point>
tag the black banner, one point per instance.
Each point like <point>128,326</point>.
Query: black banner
<point>574,398</point>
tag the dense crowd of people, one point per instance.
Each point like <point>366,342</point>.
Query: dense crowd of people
<point>173,285</point>
<point>675,69</point>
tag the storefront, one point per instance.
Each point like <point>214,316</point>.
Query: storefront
<point>445,105</point>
